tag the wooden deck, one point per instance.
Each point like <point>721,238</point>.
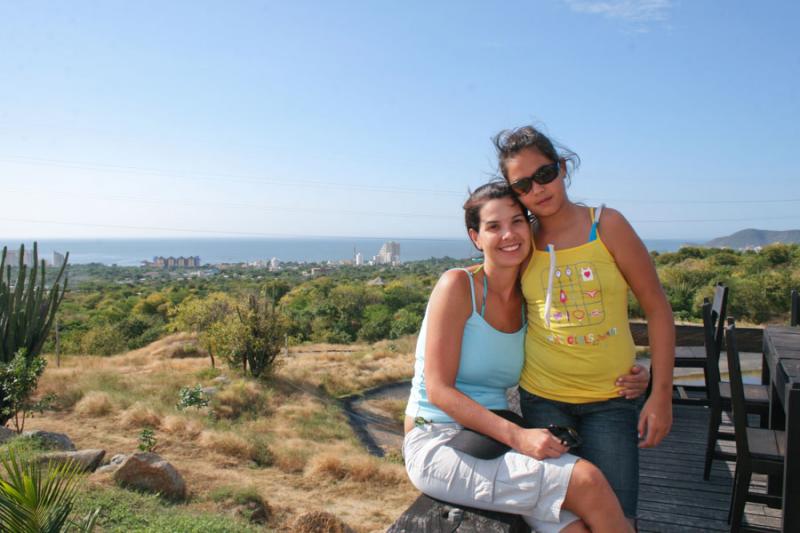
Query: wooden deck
<point>673,497</point>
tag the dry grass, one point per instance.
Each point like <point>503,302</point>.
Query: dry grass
<point>343,373</point>
<point>339,466</point>
<point>239,399</point>
<point>94,404</point>
<point>276,437</point>
<point>227,443</point>
<point>139,416</point>
<point>181,426</point>
<point>390,407</point>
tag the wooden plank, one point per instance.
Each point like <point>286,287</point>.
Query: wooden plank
<point>747,339</point>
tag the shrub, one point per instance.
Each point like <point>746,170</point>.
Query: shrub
<point>147,440</point>
<point>18,380</point>
<point>191,397</point>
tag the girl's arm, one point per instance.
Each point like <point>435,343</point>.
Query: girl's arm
<point>448,310</point>
<point>637,267</point>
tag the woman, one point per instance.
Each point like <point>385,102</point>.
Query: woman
<point>469,351</point>
<point>576,288</point>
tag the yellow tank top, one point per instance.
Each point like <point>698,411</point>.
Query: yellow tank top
<point>578,353</point>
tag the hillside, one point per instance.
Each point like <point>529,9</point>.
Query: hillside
<point>285,439</point>
<point>749,238</point>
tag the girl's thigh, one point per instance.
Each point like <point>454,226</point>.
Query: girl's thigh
<point>540,412</point>
<point>610,441</point>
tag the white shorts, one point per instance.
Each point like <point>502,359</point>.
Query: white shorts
<point>512,483</point>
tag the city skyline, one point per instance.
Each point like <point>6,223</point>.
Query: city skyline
<point>312,119</point>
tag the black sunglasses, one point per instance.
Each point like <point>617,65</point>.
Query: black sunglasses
<point>543,175</point>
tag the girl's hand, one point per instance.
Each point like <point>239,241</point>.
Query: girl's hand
<point>655,420</point>
<point>633,384</point>
<point>539,444</point>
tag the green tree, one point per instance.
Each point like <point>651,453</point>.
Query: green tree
<point>204,316</point>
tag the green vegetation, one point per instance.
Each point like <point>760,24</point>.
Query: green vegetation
<point>147,440</point>
<point>27,310</point>
<point>125,511</point>
<point>760,281</point>
<point>36,497</point>
<point>114,309</point>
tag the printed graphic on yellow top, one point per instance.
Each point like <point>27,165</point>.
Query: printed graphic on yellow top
<point>575,353</point>
<point>578,295</point>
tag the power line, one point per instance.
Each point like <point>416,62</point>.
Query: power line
<point>207,176</point>
<point>261,207</point>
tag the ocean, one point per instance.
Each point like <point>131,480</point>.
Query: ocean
<point>132,252</point>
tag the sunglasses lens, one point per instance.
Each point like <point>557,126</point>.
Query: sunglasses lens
<point>546,174</point>
<point>522,185</point>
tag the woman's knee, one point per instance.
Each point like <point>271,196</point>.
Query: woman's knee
<point>587,477</point>
<point>578,526</point>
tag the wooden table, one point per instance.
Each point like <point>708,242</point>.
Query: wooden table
<point>782,355</point>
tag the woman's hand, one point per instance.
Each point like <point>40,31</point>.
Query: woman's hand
<point>539,444</point>
<point>634,384</point>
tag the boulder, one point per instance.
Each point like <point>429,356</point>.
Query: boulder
<point>147,471</point>
<point>118,459</point>
<point>87,460</point>
<point>210,391</point>
<point>54,441</point>
<point>6,434</point>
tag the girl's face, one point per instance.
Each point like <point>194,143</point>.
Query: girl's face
<point>541,200</point>
<point>505,234</point>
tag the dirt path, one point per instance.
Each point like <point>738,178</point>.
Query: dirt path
<point>377,429</point>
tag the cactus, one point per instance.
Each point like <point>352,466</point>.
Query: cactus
<point>27,308</point>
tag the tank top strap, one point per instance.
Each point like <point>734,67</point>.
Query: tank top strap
<point>471,289</point>
<point>595,215</point>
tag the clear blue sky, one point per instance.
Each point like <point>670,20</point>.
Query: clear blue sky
<point>372,119</point>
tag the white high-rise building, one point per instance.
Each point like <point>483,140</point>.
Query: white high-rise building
<point>274,264</point>
<point>389,254</point>
<point>58,259</point>
<point>359,260</point>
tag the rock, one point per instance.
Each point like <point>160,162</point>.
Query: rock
<point>107,468</point>
<point>209,391</point>
<point>87,460</point>
<point>118,459</point>
<point>427,514</point>
<point>316,521</point>
<point>54,441</point>
<point>6,434</point>
<point>149,472</point>
<point>222,380</point>
<point>255,512</point>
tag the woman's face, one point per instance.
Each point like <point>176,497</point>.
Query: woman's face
<point>541,200</point>
<point>505,234</point>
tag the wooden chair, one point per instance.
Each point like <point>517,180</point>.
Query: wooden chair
<point>719,392</point>
<point>700,359</point>
<point>758,451</point>
<point>795,320</point>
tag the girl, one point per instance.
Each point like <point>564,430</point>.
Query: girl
<point>470,350</point>
<point>578,339</point>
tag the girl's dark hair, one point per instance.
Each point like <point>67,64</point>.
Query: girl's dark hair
<point>479,197</point>
<point>509,143</point>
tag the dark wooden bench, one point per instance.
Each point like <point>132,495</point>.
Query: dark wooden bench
<point>428,515</point>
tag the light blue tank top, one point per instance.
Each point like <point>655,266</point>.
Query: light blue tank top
<point>491,362</point>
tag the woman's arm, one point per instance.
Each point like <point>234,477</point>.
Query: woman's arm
<point>448,310</point>
<point>637,267</point>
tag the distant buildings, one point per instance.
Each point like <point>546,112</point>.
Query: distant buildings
<point>175,262</point>
<point>388,255</point>
<point>359,259</point>
<point>12,258</point>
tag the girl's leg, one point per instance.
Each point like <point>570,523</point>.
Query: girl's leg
<point>610,443</point>
<point>590,497</point>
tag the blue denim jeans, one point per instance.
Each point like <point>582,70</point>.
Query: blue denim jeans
<point>609,434</point>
